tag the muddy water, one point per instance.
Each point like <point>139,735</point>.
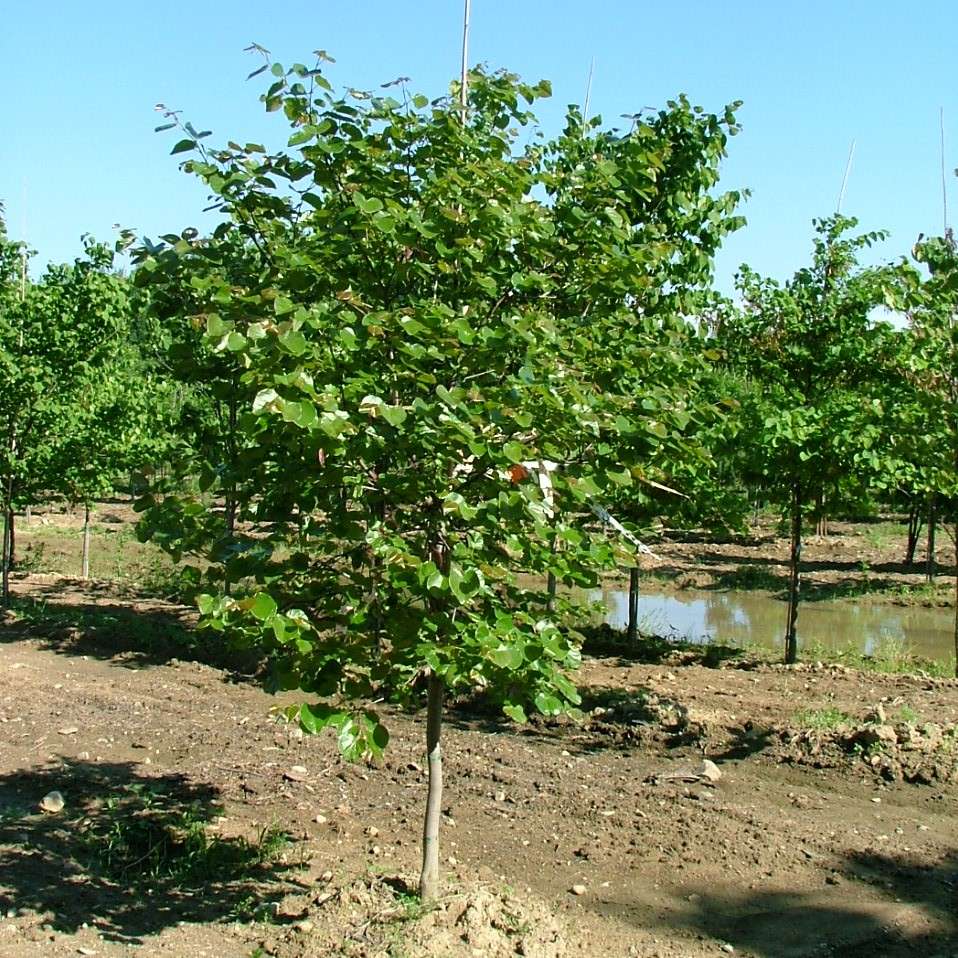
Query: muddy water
<point>746,619</point>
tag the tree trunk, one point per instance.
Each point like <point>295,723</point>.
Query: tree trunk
<point>230,509</point>
<point>231,504</point>
<point>633,631</point>
<point>930,545</point>
<point>915,522</point>
<point>5,557</point>
<point>429,878</point>
<point>551,579</point>
<point>956,599</point>
<point>85,561</point>
<point>794,580</point>
<point>12,545</point>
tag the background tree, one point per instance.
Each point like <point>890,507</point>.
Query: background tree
<point>633,312</point>
<point>208,394</point>
<point>12,289</point>
<point>932,369</point>
<point>116,424</point>
<point>54,340</point>
<point>413,325</point>
<point>813,360</point>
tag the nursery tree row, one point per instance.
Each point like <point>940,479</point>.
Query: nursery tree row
<point>434,361</point>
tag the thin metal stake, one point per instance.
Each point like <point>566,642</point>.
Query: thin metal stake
<point>848,168</point>
<point>588,92</point>
<point>464,76</point>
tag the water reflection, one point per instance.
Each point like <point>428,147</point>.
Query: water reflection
<point>749,619</point>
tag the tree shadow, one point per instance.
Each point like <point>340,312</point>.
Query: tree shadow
<point>907,909</point>
<point>746,741</point>
<point>604,642</point>
<point>139,637</point>
<point>619,719</point>
<point>770,573</point>
<point>129,854</point>
<point>932,886</point>
<point>717,537</point>
<point>481,711</point>
<point>612,718</point>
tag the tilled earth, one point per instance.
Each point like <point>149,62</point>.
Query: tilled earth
<point>818,838</point>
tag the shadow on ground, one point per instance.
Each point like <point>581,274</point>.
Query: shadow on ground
<point>129,854</point>
<point>604,642</point>
<point>899,908</point>
<point>141,636</point>
<point>769,574</point>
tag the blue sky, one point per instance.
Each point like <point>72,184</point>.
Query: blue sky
<point>81,81</point>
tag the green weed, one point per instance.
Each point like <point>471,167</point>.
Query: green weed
<point>412,905</point>
<point>907,715</point>
<point>822,719</point>
<point>889,656</point>
<point>927,593</point>
<point>881,535</point>
<point>142,834</point>
<point>894,655</point>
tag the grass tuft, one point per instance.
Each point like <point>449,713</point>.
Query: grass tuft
<point>142,834</point>
<point>822,719</point>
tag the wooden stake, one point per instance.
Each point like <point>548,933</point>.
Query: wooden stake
<point>794,579</point>
<point>632,632</point>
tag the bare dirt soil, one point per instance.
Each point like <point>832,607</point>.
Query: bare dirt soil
<point>829,831</point>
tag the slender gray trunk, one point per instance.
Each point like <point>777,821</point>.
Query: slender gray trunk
<point>930,546</point>
<point>85,561</point>
<point>230,504</point>
<point>551,578</point>
<point>429,878</point>
<point>633,630</point>
<point>794,580</point>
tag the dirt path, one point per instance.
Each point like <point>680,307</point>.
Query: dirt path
<point>801,848</point>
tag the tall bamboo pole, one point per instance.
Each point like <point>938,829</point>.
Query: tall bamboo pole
<point>429,876</point>
<point>848,169</point>
<point>464,74</point>
<point>944,177</point>
<point>588,92</point>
